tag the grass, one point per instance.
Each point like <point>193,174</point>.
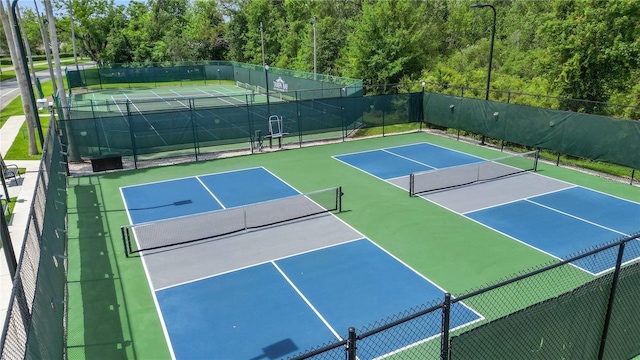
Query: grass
<point>20,148</point>
<point>9,211</point>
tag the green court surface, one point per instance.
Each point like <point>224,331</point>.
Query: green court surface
<point>169,98</point>
<point>112,314</point>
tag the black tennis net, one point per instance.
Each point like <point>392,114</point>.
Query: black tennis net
<point>456,176</point>
<point>187,229</point>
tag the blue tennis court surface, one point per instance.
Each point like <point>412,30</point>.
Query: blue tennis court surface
<point>296,303</point>
<point>188,196</point>
<point>400,161</point>
<point>276,308</point>
<point>555,217</point>
<point>565,222</point>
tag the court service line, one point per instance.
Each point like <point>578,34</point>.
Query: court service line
<point>410,159</point>
<point>388,181</point>
<point>218,96</point>
<point>210,192</point>
<point>510,202</point>
<point>160,97</point>
<point>145,119</point>
<point>576,217</point>
<point>252,265</point>
<point>531,246</point>
<point>304,298</point>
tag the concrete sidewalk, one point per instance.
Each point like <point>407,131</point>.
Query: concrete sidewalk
<point>23,189</point>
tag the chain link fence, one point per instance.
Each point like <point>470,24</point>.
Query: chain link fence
<point>556,311</point>
<point>35,324</point>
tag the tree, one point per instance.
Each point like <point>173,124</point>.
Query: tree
<point>593,49</point>
<point>389,43</point>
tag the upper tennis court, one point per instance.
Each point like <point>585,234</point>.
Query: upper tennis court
<point>354,257</point>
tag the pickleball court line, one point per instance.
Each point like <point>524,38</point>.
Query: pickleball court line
<point>304,298</point>
<point>570,186</point>
<point>210,192</point>
<point>360,237</point>
<point>576,217</point>
<point>145,119</point>
<point>409,159</point>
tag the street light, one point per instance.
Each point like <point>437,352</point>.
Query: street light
<point>262,43</point>
<point>493,34</point>
<point>314,19</point>
<point>266,84</point>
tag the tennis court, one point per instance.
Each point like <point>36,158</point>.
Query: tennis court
<point>292,286</point>
<point>552,216</point>
<point>270,291</point>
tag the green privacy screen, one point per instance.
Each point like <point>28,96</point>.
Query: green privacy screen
<point>126,132</point>
<point>593,137</point>
<point>280,80</point>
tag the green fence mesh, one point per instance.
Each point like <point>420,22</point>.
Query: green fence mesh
<point>557,311</point>
<point>276,80</point>
<point>131,129</point>
<point>35,324</point>
<point>589,136</point>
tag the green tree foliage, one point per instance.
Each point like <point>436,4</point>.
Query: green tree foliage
<point>389,42</point>
<point>593,49</point>
<point>581,49</point>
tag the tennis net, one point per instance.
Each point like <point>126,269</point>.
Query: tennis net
<point>210,225</point>
<point>451,177</point>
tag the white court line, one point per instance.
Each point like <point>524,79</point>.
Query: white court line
<point>304,298</point>
<point>410,159</point>
<point>576,217</point>
<point>145,119</point>
<point>210,192</point>
<point>150,283</point>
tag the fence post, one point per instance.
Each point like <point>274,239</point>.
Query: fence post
<point>351,344</point>
<point>132,135</point>
<point>612,294</point>
<point>444,340</point>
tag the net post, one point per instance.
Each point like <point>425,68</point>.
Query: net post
<point>339,194</point>
<point>124,240</point>
<point>535,160</point>
<point>411,185</point>
<point>444,340</point>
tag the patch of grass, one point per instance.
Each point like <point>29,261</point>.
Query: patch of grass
<point>9,211</point>
<point>20,148</point>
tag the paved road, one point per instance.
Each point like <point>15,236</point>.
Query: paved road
<point>9,88</point>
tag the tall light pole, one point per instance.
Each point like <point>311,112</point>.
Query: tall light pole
<point>266,84</point>
<point>493,35</point>
<point>314,19</point>
<point>73,36</point>
<point>262,43</point>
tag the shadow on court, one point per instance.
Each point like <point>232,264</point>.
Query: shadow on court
<point>103,334</point>
<point>278,350</point>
